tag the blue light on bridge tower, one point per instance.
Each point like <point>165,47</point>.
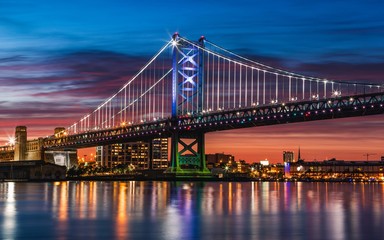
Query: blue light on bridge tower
<point>174,75</point>
<point>187,76</point>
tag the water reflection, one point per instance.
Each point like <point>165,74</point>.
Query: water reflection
<point>191,210</point>
<point>9,213</point>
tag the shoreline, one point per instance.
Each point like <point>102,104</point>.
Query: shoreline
<point>112,178</point>
<point>209,179</point>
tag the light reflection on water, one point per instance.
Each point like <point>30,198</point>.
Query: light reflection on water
<point>191,210</point>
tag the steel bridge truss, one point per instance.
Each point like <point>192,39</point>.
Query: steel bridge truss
<point>193,127</point>
<point>347,106</point>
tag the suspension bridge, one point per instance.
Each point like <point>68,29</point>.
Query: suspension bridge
<point>190,88</point>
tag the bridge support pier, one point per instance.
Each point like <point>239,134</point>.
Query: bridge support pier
<point>189,160</point>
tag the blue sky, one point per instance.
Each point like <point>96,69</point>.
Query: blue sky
<point>300,30</point>
<point>76,53</point>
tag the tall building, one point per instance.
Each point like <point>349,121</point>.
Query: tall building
<point>137,154</point>
<point>160,153</point>
<point>288,156</point>
<point>20,143</point>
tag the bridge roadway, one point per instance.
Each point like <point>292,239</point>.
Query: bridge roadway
<point>299,111</point>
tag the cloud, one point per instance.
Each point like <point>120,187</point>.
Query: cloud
<point>69,86</point>
<point>353,72</point>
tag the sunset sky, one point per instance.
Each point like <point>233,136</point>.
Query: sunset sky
<point>60,59</point>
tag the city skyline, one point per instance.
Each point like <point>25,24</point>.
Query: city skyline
<point>54,71</point>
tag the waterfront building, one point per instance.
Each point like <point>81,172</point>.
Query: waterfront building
<point>21,149</point>
<point>338,169</point>
<point>67,157</point>
<point>140,155</point>
<point>268,171</point>
<point>160,153</point>
<point>31,170</point>
<point>135,153</point>
<point>219,160</point>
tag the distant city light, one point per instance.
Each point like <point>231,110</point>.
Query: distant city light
<point>299,168</point>
<point>336,93</point>
<point>12,141</point>
<point>264,162</point>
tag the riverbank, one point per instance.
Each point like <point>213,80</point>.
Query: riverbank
<point>164,177</point>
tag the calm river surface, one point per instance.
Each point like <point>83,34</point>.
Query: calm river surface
<point>191,210</point>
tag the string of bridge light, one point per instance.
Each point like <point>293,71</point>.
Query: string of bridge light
<point>241,76</point>
<point>288,73</point>
<point>107,113</point>
<point>144,106</point>
<point>241,65</point>
<point>145,92</point>
<point>291,78</point>
<point>273,70</point>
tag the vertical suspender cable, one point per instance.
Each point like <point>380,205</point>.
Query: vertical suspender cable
<point>264,88</point>
<point>151,93</point>
<point>325,89</point>
<point>258,87</point>
<point>289,88</point>
<point>218,85</point>
<point>229,83</point>
<point>310,89</point>
<point>234,85</point>
<point>270,86</point>
<point>162,93</point>
<point>246,86</point>
<point>224,80</point>
<point>240,90</point>
<point>213,82</point>
<point>207,82</point>
<point>252,102</point>
<point>317,88</point>
<point>144,117</point>
<point>128,107</point>
<point>95,119</point>
<point>283,88</point>
<point>277,86</point>
<point>125,104</point>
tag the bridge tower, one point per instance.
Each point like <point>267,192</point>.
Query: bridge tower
<point>20,143</point>
<point>187,98</point>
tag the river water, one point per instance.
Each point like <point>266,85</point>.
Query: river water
<point>191,210</point>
